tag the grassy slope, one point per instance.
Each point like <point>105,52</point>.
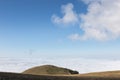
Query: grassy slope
<point>14,76</point>
<point>49,69</point>
<point>64,74</point>
<point>104,74</point>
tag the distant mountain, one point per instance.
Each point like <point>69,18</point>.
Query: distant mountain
<point>49,70</point>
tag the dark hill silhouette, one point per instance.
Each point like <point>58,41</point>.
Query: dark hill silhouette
<point>49,70</point>
<point>92,76</point>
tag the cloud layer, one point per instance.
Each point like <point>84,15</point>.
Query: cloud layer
<point>82,65</point>
<point>101,22</point>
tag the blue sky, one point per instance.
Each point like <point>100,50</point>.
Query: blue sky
<point>40,28</point>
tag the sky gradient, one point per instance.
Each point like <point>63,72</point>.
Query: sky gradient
<point>60,28</point>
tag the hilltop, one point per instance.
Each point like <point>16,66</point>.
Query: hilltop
<point>49,70</point>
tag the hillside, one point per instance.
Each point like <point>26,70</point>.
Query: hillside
<point>16,76</point>
<point>49,70</point>
<point>103,74</point>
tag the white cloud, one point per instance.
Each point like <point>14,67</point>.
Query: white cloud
<point>101,21</point>
<point>69,16</point>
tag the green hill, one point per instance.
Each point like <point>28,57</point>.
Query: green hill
<point>49,70</point>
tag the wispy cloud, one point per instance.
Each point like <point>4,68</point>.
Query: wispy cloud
<point>69,15</point>
<point>75,36</point>
<point>101,22</point>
